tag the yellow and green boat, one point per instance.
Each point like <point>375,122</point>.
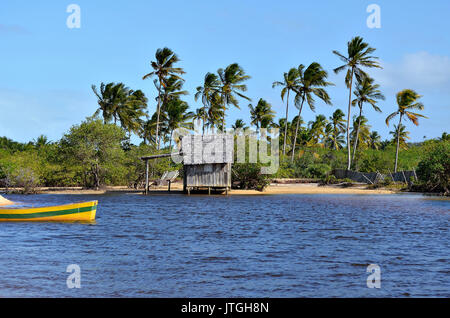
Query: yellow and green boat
<point>84,211</point>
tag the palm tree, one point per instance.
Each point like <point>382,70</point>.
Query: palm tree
<point>311,82</point>
<point>317,130</point>
<point>210,95</point>
<point>41,141</point>
<point>407,100</point>
<point>336,128</point>
<point>131,111</point>
<point>360,133</point>
<point>289,83</point>
<point>177,117</point>
<point>358,55</point>
<point>445,136</point>
<point>163,67</point>
<point>262,114</point>
<point>147,130</point>
<point>215,112</point>
<point>108,98</point>
<point>286,133</point>
<point>210,87</point>
<point>201,115</point>
<point>366,92</point>
<point>231,86</point>
<point>401,135</point>
<point>239,124</point>
<point>374,140</point>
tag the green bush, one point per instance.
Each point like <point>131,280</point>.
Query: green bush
<point>248,176</point>
<point>319,171</point>
<point>434,169</point>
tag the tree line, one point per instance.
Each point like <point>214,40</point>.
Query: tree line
<point>227,88</point>
<point>308,148</point>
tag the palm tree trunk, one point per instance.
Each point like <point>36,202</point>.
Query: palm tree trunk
<point>349,158</point>
<point>398,142</point>
<point>357,134</point>
<point>285,125</point>
<point>157,116</point>
<point>296,130</point>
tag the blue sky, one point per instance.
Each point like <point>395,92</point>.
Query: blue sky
<point>47,69</point>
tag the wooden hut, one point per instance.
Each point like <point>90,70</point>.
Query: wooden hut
<point>207,162</point>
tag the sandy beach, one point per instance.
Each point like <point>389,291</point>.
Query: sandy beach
<point>274,188</point>
<point>4,201</point>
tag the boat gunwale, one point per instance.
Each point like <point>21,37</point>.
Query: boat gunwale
<point>46,209</point>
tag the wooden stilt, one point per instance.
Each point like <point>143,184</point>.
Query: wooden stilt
<point>146,176</point>
<point>209,190</point>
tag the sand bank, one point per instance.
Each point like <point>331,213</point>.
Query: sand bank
<point>310,188</point>
<point>4,201</point>
<point>274,188</point>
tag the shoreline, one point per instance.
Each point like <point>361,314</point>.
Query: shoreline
<point>273,188</point>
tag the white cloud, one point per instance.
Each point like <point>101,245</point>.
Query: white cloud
<point>420,71</point>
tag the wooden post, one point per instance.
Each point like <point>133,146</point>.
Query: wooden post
<point>146,176</point>
<point>366,177</point>
<point>404,177</point>
<point>392,176</point>
<point>209,190</point>
<point>169,185</point>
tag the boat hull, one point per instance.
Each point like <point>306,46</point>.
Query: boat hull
<point>84,211</point>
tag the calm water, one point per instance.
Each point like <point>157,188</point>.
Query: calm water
<point>263,246</point>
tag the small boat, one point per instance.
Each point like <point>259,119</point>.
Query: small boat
<point>84,211</point>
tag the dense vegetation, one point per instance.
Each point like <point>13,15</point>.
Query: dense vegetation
<point>99,152</point>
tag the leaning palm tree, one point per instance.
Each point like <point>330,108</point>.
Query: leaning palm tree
<point>131,112</point>
<point>289,83</point>
<point>311,82</point>
<point>366,92</point>
<point>407,100</point>
<point>358,55</point>
<point>163,67</point>
<point>231,86</point>
<point>109,98</point>
<point>262,114</point>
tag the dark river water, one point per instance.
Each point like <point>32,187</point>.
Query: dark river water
<point>239,246</point>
